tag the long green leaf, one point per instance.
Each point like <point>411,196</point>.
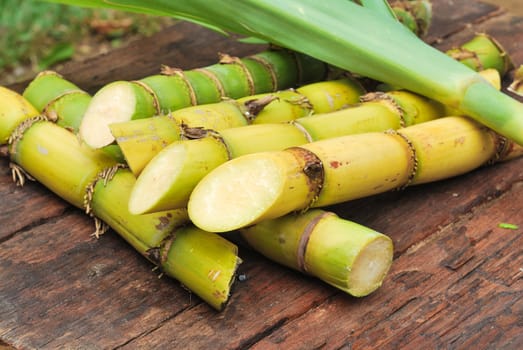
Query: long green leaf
<point>352,37</point>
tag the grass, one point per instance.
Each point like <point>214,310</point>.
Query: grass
<point>37,35</point>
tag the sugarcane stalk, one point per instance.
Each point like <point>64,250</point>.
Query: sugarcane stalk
<point>414,14</point>
<point>91,180</point>
<point>267,71</point>
<point>58,99</point>
<point>140,140</point>
<point>483,52</point>
<point>14,109</point>
<point>204,262</point>
<point>266,185</point>
<point>169,178</point>
<point>342,253</point>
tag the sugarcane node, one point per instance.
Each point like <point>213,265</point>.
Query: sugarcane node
<point>507,60</point>
<point>304,241</point>
<point>20,129</point>
<point>389,101</point>
<point>461,54</point>
<point>193,132</point>
<point>303,130</point>
<point>54,117</point>
<point>503,148</point>
<point>156,102</point>
<point>313,169</point>
<point>413,157</point>
<point>227,59</point>
<point>268,66</point>
<point>105,175</point>
<point>255,106</point>
<point>170,71</point>
<point>217,83</point>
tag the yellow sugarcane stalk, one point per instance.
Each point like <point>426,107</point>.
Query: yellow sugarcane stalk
<point>342,253</point>
<point>169,178</point>
<point>267,185</point>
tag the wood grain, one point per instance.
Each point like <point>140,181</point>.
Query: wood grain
<point>456,281</point>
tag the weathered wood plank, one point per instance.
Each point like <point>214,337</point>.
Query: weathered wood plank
<point>67,290</point>
<point>23,207</point>
<point>184,45</point>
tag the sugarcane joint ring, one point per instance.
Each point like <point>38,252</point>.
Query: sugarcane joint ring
<point>413,157</point>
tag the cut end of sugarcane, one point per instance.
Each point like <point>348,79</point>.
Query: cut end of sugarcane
<point>370,267</point>
<point>155,181</point>
<point>236,194</point>
<point>114,103</point>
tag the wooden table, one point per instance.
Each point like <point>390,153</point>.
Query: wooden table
<point>456,281</point>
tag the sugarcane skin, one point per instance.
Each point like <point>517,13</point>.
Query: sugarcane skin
<point>14,109</point>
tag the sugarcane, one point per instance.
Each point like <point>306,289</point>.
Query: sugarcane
<point>91,180</point>
<point>140,140</point>
<point>516,86</point>
<point>267,185</point>
<point>169,178</point>
<point>119,101</point>
<point>342,253</point>
<point>414,14</point>
<point>482,52</point>
<point>363,41</point>
<point>58,99</point>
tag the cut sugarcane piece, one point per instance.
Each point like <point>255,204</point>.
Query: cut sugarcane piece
<point>14,109</point>
<point>344,254</point>
<point>262,186</point>
<point>483,52</point>
<point>169,178</point>
<point>414,14</point>
<point>160,94</point>
<point>90,180</point>
<point>58,99</point>
<point>116,102</point>
<point>140,140</point>
<point>204,262</point>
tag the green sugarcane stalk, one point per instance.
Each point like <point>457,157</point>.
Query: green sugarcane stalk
<point>58,99</point>
<point>266,185</point>
<point>91,180</point>
<point>266,71</point>
<point>414,14</point>
<point>361,41</point>
<point>483,52</point>
<point>140,140</point>
<point>169,178</point>
<point>344,254</point>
